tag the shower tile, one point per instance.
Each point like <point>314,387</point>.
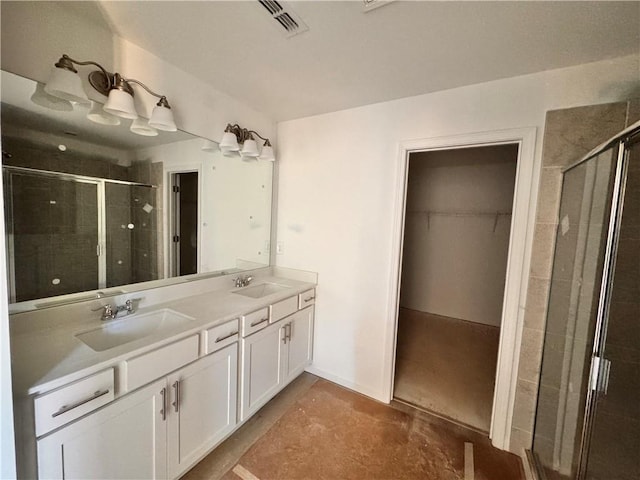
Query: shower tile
<point>547,418</point>
<point>615,444</point>
<point>524,405</point>
<point>623,393</point>
<point>118,172</point>
<point>633,111</point>
<point>555,360</point>
<point>520,440</point>
<point>571,133</point>
<point>549,195</point>
<point>140,172</point>
<point>542,253</point>
<point>531,355</point>
<point>624,328</point>
<point>536,307</point>
<point>559,302</point>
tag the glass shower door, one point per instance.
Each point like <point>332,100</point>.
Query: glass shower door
<point>52,232</point>
<point>571,317</point>
<point>614,447</point>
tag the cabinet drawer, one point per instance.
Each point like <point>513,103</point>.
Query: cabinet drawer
<point>222,335</point>
<point>254,321</point>
<point>282,309</point>
<point>67,403</point>
<point>149,366</point>
<point>307,298</point>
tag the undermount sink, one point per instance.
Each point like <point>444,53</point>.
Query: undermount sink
<point>117,332</point>
<point>261,290</point>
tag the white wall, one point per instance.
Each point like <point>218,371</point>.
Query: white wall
<point>337,194</point>
<point>456,237</point>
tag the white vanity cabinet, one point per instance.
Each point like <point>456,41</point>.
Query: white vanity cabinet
<point>156,432</point>
<point>202,410</point>
<point>274,356</point>
<point>156,413</point>
<point>126,439</point>
<point>262,378</point>
<point>299,334</point>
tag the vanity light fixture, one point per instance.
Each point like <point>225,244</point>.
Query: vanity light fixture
<point>234,135</point>
<point>65,83</point>
<point>42,98</point>
<point>98,115</point>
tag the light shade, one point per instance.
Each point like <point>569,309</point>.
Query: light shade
<point>67,85</point>
<point>249,149</point>
<point>98,115</point>
<point>267,154</point>
<point>120,104</point>
<point>42,98</point>
<point>229,142</point>
<point>140,127</point>
<point>162,119</point>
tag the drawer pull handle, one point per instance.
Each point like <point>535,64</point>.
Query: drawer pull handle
<point>309,299</point>
<point>66,408</point>
<point>220,339</point>
<point>254,324</point>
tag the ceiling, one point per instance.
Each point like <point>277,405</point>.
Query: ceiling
<point>349,58</point>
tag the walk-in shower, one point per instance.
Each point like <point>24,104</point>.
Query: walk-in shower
<point>69,233</point>
<point>587,423</point>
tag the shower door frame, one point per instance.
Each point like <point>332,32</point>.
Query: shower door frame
<point>101,219</point>
<point>598,376</point>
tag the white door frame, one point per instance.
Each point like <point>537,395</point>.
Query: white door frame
<point>522,226</point>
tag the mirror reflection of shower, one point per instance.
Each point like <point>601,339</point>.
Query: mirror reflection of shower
<point>70,233</point>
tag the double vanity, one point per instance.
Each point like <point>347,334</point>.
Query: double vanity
<point>149,393</point>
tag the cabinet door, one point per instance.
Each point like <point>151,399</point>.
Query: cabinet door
<point>126,439</point>
<point>262,357</point>
<point>299,343</point>
<point>202,410</point>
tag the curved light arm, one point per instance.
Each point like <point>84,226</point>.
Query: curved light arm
<point>266,140</point>
<point>243,134</point>
<point>163,100</point>
<point>67,62</point>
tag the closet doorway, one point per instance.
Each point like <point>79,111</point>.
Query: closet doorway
<point>184,223</point>
<point>454,263</point>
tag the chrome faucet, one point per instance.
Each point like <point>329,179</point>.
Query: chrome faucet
<point>242,281</point>
<point>109,312</point>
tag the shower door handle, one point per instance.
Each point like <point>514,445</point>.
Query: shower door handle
<point>600,375</point>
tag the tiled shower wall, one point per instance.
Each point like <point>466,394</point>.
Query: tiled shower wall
<point>569,135</point>
<point>68,209</point>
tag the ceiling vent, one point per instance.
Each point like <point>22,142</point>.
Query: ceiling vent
<point>288,21</point>
<point>373,4</point>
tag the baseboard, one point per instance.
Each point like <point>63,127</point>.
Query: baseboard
<point>343,382</point>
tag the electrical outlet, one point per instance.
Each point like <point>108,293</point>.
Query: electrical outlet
<point>280,248</point>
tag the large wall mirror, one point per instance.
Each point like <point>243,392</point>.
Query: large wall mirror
<point>91,207</point>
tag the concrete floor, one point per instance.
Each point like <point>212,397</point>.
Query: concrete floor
<point>447,366</point>
<point>315,429</point>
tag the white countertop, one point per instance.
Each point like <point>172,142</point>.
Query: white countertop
<point>45,358</point>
